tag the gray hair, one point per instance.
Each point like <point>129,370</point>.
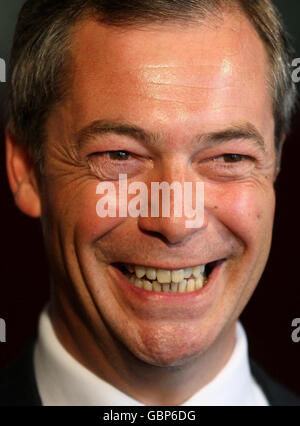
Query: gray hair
<point>41,59</point>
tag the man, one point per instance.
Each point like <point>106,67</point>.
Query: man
<point>144,310</point>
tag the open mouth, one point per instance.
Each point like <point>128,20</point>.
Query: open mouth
<point>168,280</point>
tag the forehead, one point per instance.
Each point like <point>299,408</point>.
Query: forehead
<point>169,75</point>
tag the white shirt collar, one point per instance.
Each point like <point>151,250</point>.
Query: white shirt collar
<point>64,381</point>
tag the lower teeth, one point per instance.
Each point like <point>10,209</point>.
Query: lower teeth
<point>185,286</point>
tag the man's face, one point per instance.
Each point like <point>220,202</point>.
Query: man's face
<point>201,92</point>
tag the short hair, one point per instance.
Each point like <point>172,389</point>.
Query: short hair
<point>41,59</point>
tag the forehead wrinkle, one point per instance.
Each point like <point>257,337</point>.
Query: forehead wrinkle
<point>210,76</point>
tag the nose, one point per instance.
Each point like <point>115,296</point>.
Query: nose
<point>172,230</point>
<point>184,216</point>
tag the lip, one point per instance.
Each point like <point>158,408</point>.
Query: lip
<point>205,296</point>
<point>169,267</point>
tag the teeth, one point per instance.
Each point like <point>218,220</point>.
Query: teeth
<point>188,272</point>
<point>197,270</point>
<point>190,285</point>
<point>156,286</point>
<point>182,286</point>
<point>151,273</point>
<point>147,285</point>
<point>167,281</point>
<point>199,283</point>
<point>166,288</point>
<point>139,283</point>
<point>177,276</point>
<point>174,287</point>
<point>163,276</point>
<point>140,271</point>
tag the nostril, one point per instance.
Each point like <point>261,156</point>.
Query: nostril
<point>172,232</point>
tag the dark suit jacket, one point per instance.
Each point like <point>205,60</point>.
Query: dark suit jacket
<point>18,386</point>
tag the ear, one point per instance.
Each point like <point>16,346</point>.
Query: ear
<point>22,177</point>
<point>278,157</point>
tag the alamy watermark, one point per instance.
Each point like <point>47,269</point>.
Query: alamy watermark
<point>296,71</point>
<point>2,71</point>
<point>2,331</point>
<point>114,202</point>
<point>296,331</point>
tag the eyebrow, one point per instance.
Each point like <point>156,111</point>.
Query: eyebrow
<point>101,127</point>
<point>243,131</point>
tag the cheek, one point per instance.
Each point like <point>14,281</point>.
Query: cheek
<point>247,210</point>
<point>71,209</point>
<point>89,225</point>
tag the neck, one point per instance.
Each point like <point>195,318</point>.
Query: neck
<point>103,354</point>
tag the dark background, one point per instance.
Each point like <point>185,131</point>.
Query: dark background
<point>269,314</point>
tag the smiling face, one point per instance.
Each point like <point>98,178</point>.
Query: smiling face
<point>181,104</point>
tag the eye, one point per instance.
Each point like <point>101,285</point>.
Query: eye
<point>108,165</point>
<point>118,155</point>
<point>228,166</point>
<point>232,158</point>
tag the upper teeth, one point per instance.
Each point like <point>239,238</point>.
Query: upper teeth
<point>165,276</point>
<point>179,280</point>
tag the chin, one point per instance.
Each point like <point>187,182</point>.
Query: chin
<point>170,346</point>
